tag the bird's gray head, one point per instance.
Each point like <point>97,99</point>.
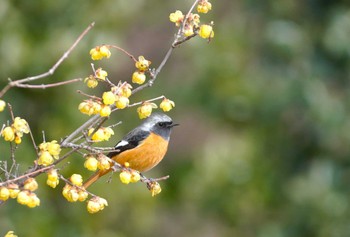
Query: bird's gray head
<point>160,124</point>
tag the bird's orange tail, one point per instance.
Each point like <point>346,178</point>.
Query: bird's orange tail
<point>93,178</point>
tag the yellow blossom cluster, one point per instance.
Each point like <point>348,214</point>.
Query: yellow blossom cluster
<point>16,130</point>
<point>166,105</point>
<point>24,196</point>
<point>92,80</point>
<point>75,192</point>
<point>119,96</point>
<point>28,198</point>
<point>96,204</point>
<point>146,108</point>
<point>102,162</point>
<point>192,24</point>
<point>101,134</point>
<point>48,152</point>
<point>10,191</point>
<point>129,176</point>
<point>52,178</point>
<point>91,163</point>
<point>154,187</point>
<point>100,52</point>
<point>142,65</point>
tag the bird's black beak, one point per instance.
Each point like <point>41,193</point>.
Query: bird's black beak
<point>173,125</point>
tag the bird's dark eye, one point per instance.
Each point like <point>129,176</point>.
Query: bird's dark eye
<point>161,124</point>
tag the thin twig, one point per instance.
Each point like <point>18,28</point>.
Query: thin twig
<point>51,71</point>
<point>141,102</point>
<point>27,175</point>
<point>124,51</point>
<point>44,86</point>
<point>186,17</point>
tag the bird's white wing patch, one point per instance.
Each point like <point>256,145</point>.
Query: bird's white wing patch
<point>122,143</point>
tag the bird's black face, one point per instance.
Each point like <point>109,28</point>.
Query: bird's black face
<point>160,124</point>
<point>167,124</point>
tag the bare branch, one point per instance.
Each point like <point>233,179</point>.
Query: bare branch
<point>44,86</point>
<point>51,71</point>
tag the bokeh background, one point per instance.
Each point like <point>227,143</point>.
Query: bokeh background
<point>263,147</point>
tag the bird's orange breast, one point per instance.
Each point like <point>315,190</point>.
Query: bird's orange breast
<point>146,155</point>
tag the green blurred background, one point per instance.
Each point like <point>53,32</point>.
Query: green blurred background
<point>263,147</point>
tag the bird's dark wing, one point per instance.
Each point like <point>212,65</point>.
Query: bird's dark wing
<point>130,141</point>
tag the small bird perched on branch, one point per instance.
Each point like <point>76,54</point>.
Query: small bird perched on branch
<point>143,147</point>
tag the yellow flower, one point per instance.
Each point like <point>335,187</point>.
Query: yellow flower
<point>206,31</point>
<point>98,52</point>
<point>103,163</point>
<point>54,149</point>
<point>204,6</point>
<point>30,184</point>
<point>76,179</point>
<point>4,193</point>
<point>104,50</point>
<point>18,139</point>
<point>96,107</point>
<point>93,206</point>
<point>98,135</point>
<point>52,178</point>
<point>21,126</point>
<point>91,163</point>
<point>70,193</point>
<point>10,234</point>
<point>14,190</point>
<point>125,90</point>
<point>2,105</point>
<point>188,31</point>
<point>45,158</point>
<point>34,201</point>
<point>96,204</point>
<point>82,195</point>
<point>8,134</point>
<point>145,110</point>
<point>108,98</point>
<point>101,74</point>
<point>155,188</point>
<point>122,102</point>
<point>166,105</point>
<point>195,19</point>
<point>135,176</point>
<point>52,174</point>
<point>23,197</point>
<point>138,77</point>
<point>176,17</point>
<point>125,177</point>
<point>89,107</point>
<point>91,81</point>
<point>105,111</point>
<point>102,134</point>
<point>142,64</point>
<point>108,132</point>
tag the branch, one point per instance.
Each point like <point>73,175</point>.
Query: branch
<point>20,82</point>
<point>44,86</point>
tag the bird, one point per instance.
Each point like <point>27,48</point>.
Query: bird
<point>143,147</point>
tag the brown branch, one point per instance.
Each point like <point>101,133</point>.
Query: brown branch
<point>44,86</point>
<point>20,82</point>
<point>154,99</point>
<point>27,175</point>
<point>124,51</point>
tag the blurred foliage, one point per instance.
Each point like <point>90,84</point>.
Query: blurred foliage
<point>263,146</point>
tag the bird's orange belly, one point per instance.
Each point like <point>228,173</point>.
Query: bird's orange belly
<point>146,155</point>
